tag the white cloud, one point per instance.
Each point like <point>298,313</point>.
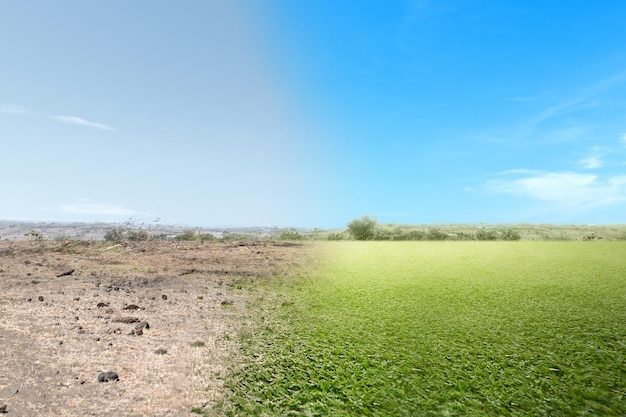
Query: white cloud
<point>568,189</point>
<point>594,160</point>
<point>520,171</point>
<point>12,108</point>
<point>82,122</point>
<point>87,207</point>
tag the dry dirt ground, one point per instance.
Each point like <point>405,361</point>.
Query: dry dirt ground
<point>60,329</point>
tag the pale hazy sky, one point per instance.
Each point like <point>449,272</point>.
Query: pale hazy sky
<point>293,113</point>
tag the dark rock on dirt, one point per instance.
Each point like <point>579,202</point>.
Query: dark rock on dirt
<point>64,274</point>
<point>227,303</point>
<point>164,297</point>
<point>142,325</point>
<point>3,409</point>
<point>40,298</point>
<point>127,320</point>
<point>160,351</point>
<point>132,307</point>
<point>108,376</point>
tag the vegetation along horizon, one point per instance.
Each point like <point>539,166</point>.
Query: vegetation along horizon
<point>434,328</point>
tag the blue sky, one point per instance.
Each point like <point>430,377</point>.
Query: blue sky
<point>293,113</point>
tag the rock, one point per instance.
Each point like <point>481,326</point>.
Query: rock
<point>164,297</point>
<point>64,274</point>
<point>101,304</point>
<point>40,298</point>
<point>3,409</point>
<point>138,332</point>
<point>127,320</point>
<point>108,376</point>
<point>132,307</point>
<point>227,303</point>
<point>142,325</point>
<point>160,351</point>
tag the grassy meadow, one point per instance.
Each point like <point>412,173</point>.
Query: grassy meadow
<point>439,329</point>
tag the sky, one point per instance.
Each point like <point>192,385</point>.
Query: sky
<point>288,113</point>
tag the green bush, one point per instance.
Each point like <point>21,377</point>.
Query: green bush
<point>363,228</point>
<point>465,236</point>
<point>205,237</point>
<point>138,235</point>
<point>337,236</point>
<point>115,234</point>
<point>436,234</point>
<point>510,234</point>
<point>35,235</point>
<point>290,235</point>
<point>484,234</point>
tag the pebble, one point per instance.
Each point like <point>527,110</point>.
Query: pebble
<point>164,297</point>
<point>142,325</point>
<point>160,351</point>
<point>40,298</point>
<point>108,376</point>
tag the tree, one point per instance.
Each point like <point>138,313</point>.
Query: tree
<point>363,228</point>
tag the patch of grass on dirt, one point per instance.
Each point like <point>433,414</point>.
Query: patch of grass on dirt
<point>441,328</point>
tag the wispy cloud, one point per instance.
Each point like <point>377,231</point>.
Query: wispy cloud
<point>624,139</point>
<point>591,162</point>
<point>12,109</point>
<point>566,189</point>
<point>594,160</point>
<point>82,122</point>
<point>560,109</point>
<point>90,208</point>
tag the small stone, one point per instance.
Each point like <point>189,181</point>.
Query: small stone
<point>29,299</point>
<point>132,307</point>
<point>3,409</point>
<point>200,297</point>
<point>227,303</point>
<point>142,325</point>
<point>108,376</point>
<point>160,351</point>
<point>40,298</point>
<point>127,320</point>
<point>164,297</point>
<point>138,332</point>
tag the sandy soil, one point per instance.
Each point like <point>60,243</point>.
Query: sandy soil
<point>60,329</point>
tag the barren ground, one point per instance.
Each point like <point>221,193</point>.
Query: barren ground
<point>59,332</point>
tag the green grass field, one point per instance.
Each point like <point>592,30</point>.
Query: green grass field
<point>440,329</point>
